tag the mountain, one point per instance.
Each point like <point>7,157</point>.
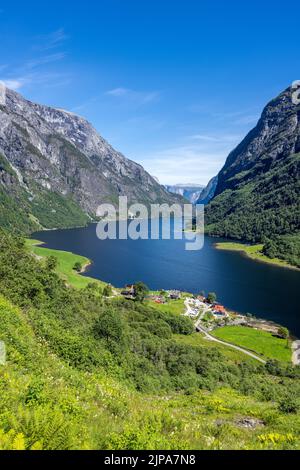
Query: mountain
<point>189,192</point>
<point>258,189</point>
<point>55,169</point>
<point>208,192</point>
<point>195,194</point>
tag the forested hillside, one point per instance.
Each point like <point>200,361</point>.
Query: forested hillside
<point>84,371</point>
<point>55,169</point>
<point>258,193</point>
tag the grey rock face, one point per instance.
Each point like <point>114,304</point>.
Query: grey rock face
<point>276,136</point>
<point>208,193</point>
<point>189,192</point>
<point>55,151</point>
<point>257,198</point>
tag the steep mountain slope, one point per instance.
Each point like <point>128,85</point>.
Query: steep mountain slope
<point>55,169</point>
<point>208,192</point>
<point>257,195</point>
<point>86,372</point>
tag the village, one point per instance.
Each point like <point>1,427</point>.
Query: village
<point>210,317</point>
<point>203,310</point>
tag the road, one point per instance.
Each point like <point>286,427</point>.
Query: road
<point>189,310</point>
<point>238,348</point>
<point>199,327</point>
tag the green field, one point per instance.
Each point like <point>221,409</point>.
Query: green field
<point>173,306</point>
<point>261,342</point>
<point>198,340</point>
<point>254,252</point>
<point>66,261</point>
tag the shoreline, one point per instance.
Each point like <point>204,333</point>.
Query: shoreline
<point>85,266</point>
<point>66,260</point>
<point>253,252</point>
<point>250,251</point>
<point>262,321</point>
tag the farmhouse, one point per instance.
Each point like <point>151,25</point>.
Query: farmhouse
<point>129,291</point>
<point>219,310</point>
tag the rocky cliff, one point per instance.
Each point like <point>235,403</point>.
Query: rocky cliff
<point>55,169</point>
<point>208,192</point>
<point>257,194</point>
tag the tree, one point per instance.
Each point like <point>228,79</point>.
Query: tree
<point>289,404</point>
<point>107,291</point>
<point>94,289</point>
<point>141,291</point>
<point>93,286</point>
<point>109,326</point>
<point>180,325</point>
<point>211,298</point>
<point>77,266</point>
<point>51,263</point>
<point>283,332</point>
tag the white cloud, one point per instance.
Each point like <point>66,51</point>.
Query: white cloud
<point>51,40</point>
<point>194,163</point>
<point>118,92</point>
<point>216,138</point>
<point>250,119</point>
<point>12,84</point>
<point>46,79</point>
<point>183,164</point>
<point>241,117</point>
<point>138,97</point>
<point>29,71</point>
<point>44,60</point>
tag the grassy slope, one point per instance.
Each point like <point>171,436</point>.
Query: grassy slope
<point>259,341</point>
<point>253,252</point>
<point>172,306</point>
<point>66,261</point>
<point>95,411</point>
<point>198,340</point>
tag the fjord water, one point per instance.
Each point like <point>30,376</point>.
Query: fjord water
<point>241,284</point>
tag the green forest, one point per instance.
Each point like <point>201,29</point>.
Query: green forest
<point>87,372</point>
<point>263,207</point>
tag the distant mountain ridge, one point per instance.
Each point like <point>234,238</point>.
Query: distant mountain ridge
<point>258,190</point>
<point>55,169</point>
<point>195,194</point>
<point>191,192</point>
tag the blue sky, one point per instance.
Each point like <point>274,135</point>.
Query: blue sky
<point>174,85</point>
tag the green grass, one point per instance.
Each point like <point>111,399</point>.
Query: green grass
<point>61,388</point>
<point>123,418</point>
<point>254,252</point>
<point>261,342</point>
<point>66,261</point>
<point>198,340</point>
<point>172,306</point>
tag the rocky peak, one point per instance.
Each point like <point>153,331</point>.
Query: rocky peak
<point>276,136</point>
<point>53,150</point>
